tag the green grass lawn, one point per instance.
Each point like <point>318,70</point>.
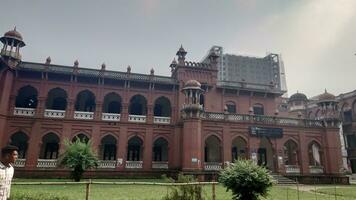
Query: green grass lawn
<point>148,192</point>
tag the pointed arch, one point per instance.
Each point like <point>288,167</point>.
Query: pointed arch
<point>85,101</point>
<point>160,149</point>
<point>134,149</point>
<point>27,97</point>
<point>108,147</point>
<point>50,146</point>
<point>290,150</point>
<point>20,140</point>
<point>112,103</point>
<point>212,150</point>
<point>138,105</point>
<point>239,148</point>
<point>56,99</point>
<point>162,107</point>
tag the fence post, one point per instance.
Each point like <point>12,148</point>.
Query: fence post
<point>297,188</point>
<point>287,193</point>
<point>214,197</point>
<point>335,190</point>
<point>87,190</point>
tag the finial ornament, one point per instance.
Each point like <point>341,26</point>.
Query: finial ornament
<point>76,63</point>
<point>48,60</point>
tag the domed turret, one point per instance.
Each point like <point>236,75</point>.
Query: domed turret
<point>298,97</point>
<point>193,93</point>
<point>12,42</point>
<point>327,104</point>
<point>297,104</point>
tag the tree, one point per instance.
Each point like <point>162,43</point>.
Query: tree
<point>185,192</point>
<point>79,157</point>
<point>246,180</point>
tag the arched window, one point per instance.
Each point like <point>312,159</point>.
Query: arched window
<point>50,146</point>
<point>26,97</point>
<point>138,105</point>
<point>20,140</point>
<point>108,148</point>
<point>162,107</point>
<point>160,150</point>
<point>239,149</point>
<point>56,99</point>
<point>258,109</point>
<point>212,149</point>
<point>85,101</point>
<point>134,149</point>
<point>314,151</point>
<point>112,103</point>
<point>290,153</point>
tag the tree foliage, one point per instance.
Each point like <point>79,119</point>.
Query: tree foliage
<point>78,156</point>
<point>246,180</point>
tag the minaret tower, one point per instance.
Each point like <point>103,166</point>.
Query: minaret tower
<point>192,127</point>
<point>10,53</point>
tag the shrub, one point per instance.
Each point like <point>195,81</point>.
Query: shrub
<point>185,192</point>
<point>40,196</point>
<point>246,180</point>
<point>79,157</point>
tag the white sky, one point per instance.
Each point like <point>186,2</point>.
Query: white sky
<point>317,38</point>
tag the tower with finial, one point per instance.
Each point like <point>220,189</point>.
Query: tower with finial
<point>181,55</point>
<point>192,92</point>
<point>328,106</point>
<point>10,53</point>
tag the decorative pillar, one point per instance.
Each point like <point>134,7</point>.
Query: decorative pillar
<point>147,154</point>
<point>34,146</point>
<point>122,149</point>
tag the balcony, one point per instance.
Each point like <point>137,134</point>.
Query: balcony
<point>292,169</point>
<point>83,115</point>
<point>20,162</point>
<point>110,117</point>
<point>28,112</point>
<point>137,118</point>
<point>107,164</point>
<point>212,166</point>
<point>161,120</point>
<point>54,113</point>
<point>133,164</point>
<point>316,169</point>
<point>262,119</point>
<point>159,165</point>
<point>47,163</point>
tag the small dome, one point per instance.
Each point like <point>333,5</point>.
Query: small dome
<point>298,97</point>
<point>192,83</point>
<point>326,97</point>
<point>14,34</point>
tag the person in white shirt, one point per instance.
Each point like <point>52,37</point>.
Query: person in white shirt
<point>8,157</point>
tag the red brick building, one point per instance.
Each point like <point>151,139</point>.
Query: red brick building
<point>142,123</point>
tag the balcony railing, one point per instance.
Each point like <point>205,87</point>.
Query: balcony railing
<point>161,120</point>
<point>292,169</point>
<point>83,115</point>
<point>20,162</point>
<point>316,169</point>
<point>46,163</point>
<point>133,164</point>
<point>159,165</point>
<point>137,118</point>
<point>54,113</point>
<point>110,117</point>
<point>29,112</point>
<point>107,164</point>
<point>262,119</point>
<point>212,166</point>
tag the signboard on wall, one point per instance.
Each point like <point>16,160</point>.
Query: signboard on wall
<point>266,132</point>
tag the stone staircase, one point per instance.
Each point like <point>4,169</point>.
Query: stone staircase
<point>282,180</point>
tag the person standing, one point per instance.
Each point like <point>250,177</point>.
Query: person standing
<point>8,157</point>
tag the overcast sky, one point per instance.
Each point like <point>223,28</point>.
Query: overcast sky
<point>317,38</point>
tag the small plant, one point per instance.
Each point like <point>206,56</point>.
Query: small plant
<point>246,180</point>
<point>185,192</point>
<point>79,157</point>
<point>39,196</point>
